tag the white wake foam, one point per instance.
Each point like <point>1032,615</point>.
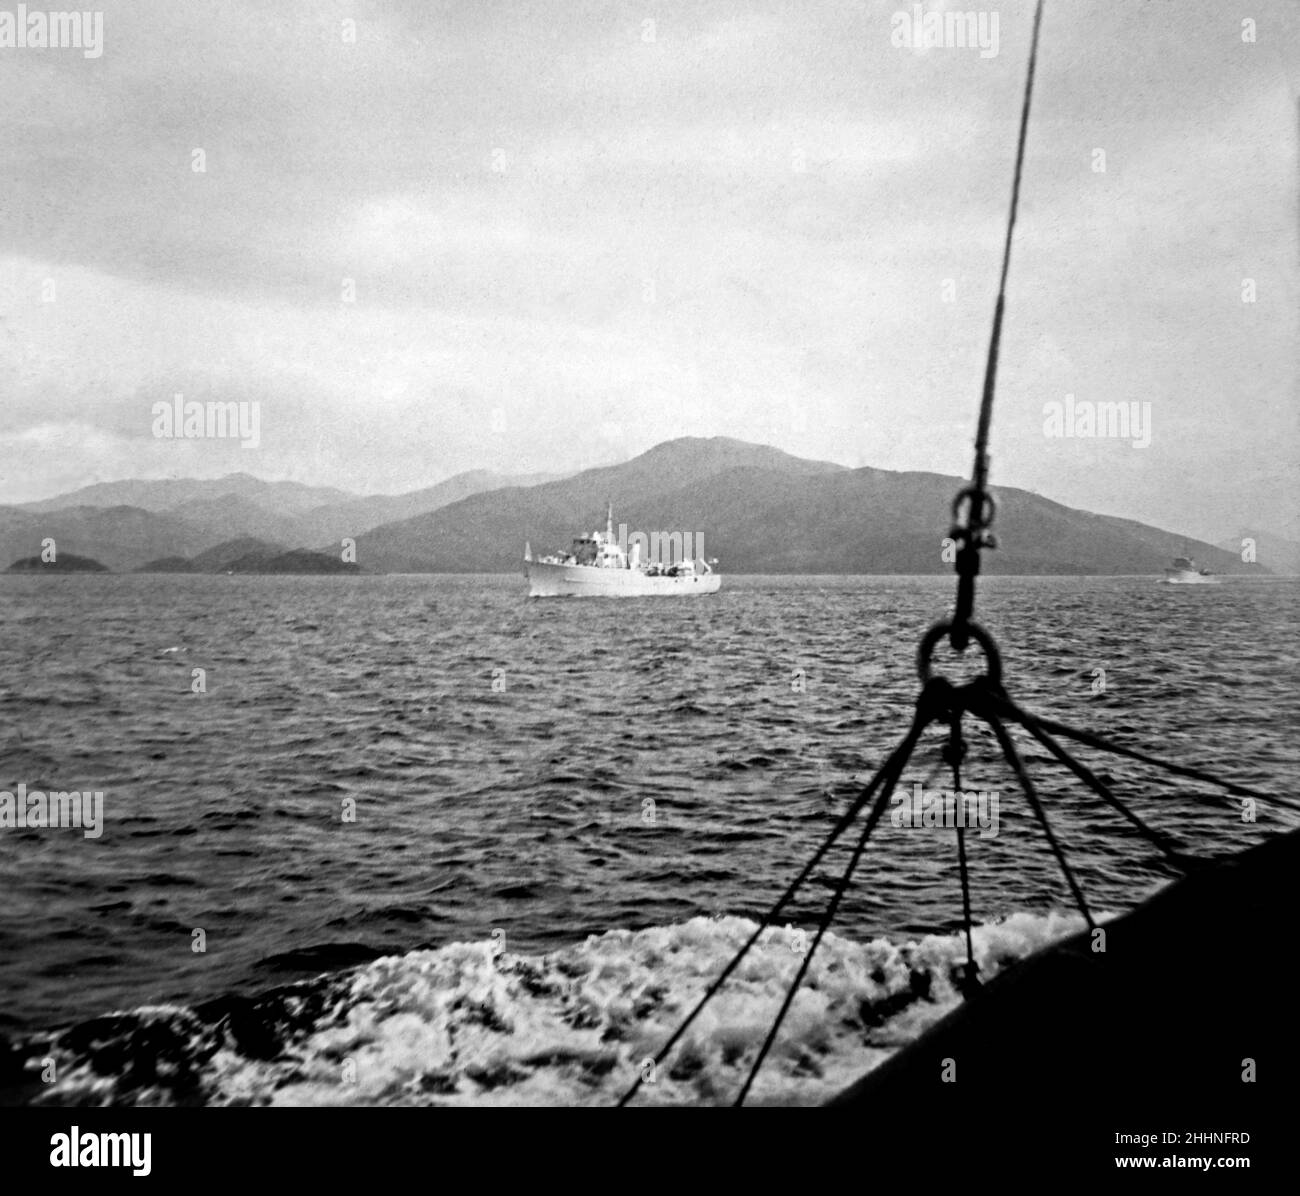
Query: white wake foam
<point>469,1024</point>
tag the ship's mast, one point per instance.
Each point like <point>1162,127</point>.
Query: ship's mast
<point>609,522</point>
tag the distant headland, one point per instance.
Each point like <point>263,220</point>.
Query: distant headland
<point>64,562</point>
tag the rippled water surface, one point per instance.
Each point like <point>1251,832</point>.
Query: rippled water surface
<point>547,770</point>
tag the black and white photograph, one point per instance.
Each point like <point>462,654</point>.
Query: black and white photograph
<point>650,554</point>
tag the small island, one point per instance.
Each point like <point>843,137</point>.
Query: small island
<point>64,562</point>
<point>300,560</point>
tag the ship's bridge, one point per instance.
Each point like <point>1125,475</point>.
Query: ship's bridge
<point>597,550</point>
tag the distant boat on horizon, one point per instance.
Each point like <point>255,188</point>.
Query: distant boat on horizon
<point>1184,572</point>
<point>598,566</point>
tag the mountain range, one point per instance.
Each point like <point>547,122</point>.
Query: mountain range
<point>133,523</point>
<point>760,510</point>
<point>757,509</point>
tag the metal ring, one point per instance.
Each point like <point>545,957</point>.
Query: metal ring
<point>989,507</point>
<point>976,632</point>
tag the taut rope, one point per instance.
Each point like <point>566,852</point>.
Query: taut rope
<point>942,702</point>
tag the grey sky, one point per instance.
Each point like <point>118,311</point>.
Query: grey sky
<point>574,234</point>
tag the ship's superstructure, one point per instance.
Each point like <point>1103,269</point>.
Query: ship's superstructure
<point>599,565</point>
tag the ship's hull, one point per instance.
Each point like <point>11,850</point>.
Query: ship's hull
<point>563,581</point>
<point>1185,577</point>
<point>1142,1004</point>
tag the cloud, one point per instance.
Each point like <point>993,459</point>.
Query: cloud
<point>561,221</point>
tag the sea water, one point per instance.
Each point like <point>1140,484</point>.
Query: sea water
<point>395,839</point>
